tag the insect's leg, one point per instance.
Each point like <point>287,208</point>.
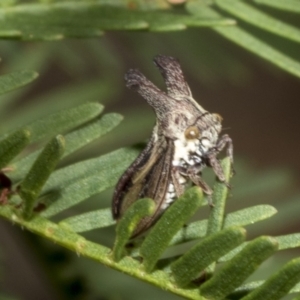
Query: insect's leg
<point>212,160</point>
<point>214,163</point>
<point>224,141</point>
<point>179,187</point>
<point>197,180</point>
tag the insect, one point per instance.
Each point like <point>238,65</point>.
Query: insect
<point>186,138</point>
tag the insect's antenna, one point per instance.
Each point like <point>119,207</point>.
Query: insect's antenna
<point>171,71</point>
<point>226,128</point>
<point>155,97</point>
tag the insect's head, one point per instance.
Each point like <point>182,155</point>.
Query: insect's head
<point>178,114</point>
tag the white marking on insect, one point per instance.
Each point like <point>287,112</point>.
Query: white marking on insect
<point>182,180</point>
<point>170,198</point>
<point>205,145</point>
<point>183,150</point>
<point>171,188</point>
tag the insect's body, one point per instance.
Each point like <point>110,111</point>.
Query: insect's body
<point>184,141</point>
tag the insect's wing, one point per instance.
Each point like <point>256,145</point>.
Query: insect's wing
<point>126,181</point>
<point>148,177</point>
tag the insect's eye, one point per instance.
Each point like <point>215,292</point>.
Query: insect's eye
<point>218,117</point>
<point>192,133</point>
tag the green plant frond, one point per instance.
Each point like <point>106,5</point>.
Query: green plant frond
<point>13,145</point>
<point>296,298</point>
<point>288,241</point>
<point>63,121</point>
<point>248,41</point>
<point>102,254</point>
<point>244,290</point>
<point>62,98</point>
<point>195,230</point>
<point>212,247</point>
<point>296,288</point>
<point>88,221</point>
<point>140,4</point>
<point>22,61</point>
<point>216,217</point>
<point>239,218</point>
<point>32,184</point>
<point>281,289</point>
<point>204,253</point>
<point>14,80</point>
<point>218,243</point>
<point>126,226</point>
<point>279,284</point>
<point>83,19</point>
<point>88,19</point>
<point>257,18</point>
<point>249,215</point>
<point>73,141</point>
<point>287,5</point>
<point>171,221</point>
<point>79,138</point>
<point>241,266</point>
<point>67,175</point>
<point>57,122</point>
<point>73,184</point>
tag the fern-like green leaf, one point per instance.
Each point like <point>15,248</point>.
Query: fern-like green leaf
<point>57,191</point>
<point>128,223</point>
<point>206,252</point>
<point>235,271</point>
<point>240,218</point>
<point>71,185</point>
<point>40,171</point>
<point>257,18</point>
<point>65,237</point>
<point>16,80</point>
<point>288,241</point>
<point>87,19</point>
<point>73,141</point>
<point>249,256</point>
<point>89,221</point>
<point>249,215</point>
<point>61,98</point>
<point>13,145</point>
<point>279,284</point>
<point>63,120</point>
<point>248,41</point>
<point>288,5</point>
<point>216,217</point>
<point>171,221</point>
<point>23,61</point>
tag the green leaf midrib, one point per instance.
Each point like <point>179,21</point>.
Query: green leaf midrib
<point>97,252</point>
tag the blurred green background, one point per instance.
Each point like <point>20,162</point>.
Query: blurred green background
<point>259,103</point>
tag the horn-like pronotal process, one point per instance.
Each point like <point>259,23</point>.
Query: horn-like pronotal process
<point>186,138</point>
